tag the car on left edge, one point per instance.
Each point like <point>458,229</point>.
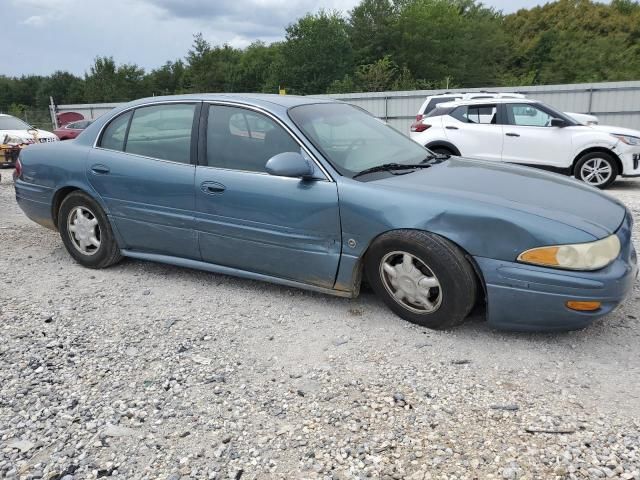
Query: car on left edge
<point>317,194</point>
<point>15,134</point>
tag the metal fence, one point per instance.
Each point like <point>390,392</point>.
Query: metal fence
<point>615,103</point>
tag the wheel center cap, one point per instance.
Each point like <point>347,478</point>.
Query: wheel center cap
<point>407,284</point>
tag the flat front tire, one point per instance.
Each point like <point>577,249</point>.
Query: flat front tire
<point>86,232</point>
<point>422,277</point>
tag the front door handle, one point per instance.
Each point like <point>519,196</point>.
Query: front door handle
<point>212,188</point>
<point>510,134</point>
<point>100,169</point>
<point>451,127</point>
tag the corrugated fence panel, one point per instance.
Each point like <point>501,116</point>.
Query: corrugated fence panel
<point>615,103</point>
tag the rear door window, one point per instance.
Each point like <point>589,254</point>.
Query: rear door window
<point>162,132</point>
<point>478,114</point>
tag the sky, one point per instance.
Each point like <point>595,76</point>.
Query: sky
<point>43,36</point>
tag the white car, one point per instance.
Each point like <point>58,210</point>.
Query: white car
<point>531,133</point>
<point>432,101</point>
<point>14,131</point>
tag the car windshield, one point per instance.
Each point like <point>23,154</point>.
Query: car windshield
<point>13,123</point>
<point>353,140</point>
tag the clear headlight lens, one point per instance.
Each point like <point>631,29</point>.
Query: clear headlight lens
<point>628,139</point>
<point>582,256</point>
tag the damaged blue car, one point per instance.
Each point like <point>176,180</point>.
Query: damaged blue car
<point>320,195</point>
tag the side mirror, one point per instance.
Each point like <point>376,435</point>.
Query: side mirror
<point>558,122</point>
<point>290,164</point>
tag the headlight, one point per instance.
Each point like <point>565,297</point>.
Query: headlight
<point>582,256</point>
<point>628,139</point>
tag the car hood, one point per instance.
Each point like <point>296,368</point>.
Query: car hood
<point>25,135</point>
<point>536,192</point>
<point>617,130</point>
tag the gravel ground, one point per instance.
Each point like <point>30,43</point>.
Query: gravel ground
<point>152,371</point>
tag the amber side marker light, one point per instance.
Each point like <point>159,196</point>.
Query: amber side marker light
<point>584,306</point>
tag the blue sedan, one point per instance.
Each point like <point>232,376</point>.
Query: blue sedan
<point>318,194</point>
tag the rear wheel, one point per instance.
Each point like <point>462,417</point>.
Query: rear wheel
<point>598,169</point>
<point>422,277</point>
<point>86,232</point>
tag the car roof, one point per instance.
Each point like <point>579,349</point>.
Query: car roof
<point>483,101</point>
<point>479,93</point>
<point>254,99</point>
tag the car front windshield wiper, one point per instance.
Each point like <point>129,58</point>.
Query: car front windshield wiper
<point>389,167</point>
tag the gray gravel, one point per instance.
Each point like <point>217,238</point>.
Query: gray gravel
<point>152,371</point>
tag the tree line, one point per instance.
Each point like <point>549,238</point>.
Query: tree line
<point>380,45</point>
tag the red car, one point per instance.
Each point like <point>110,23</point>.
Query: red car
<point>72,130</point>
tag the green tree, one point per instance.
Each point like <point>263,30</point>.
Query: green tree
<point>575,41</point>
<point>459,39</point>
<point>256,72</point>
<point>212,69</point>
<point>373,30</point>
<point>166,80</point>
<point>316,52</point>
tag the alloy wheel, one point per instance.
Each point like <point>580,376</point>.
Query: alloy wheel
<point>596,171</point>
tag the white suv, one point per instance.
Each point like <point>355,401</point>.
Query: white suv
<point>433,101</point>
<point>531,133</point>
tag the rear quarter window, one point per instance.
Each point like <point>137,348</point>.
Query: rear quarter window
<point>437,101</point>
<point>114,135</point>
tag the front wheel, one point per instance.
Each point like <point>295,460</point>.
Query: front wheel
<point>86,233</point>
<point>422,277</point>
<point>597,169</point>
<point>442,151</point>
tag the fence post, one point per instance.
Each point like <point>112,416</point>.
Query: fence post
<point>590,100</point>
<point>386,108</point>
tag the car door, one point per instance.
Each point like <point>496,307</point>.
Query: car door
<point>530,139</point>
<point>250,220</point>
<point>143,168</point>
<point>476,131</point>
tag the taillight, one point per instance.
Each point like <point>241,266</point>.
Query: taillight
<point>419,117</point>
<point>18,171</point>
<point>419,127</point>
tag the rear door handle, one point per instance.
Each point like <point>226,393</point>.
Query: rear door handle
<point>100,169</point>
<point>451,127</point>
<point>212,188</point>
<point>510,134</point>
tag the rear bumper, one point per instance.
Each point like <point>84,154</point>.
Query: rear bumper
<point>35,202</point>
<point>528,298</point>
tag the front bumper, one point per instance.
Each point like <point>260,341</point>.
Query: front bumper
<point>630,158</point>
<point>528,298</point>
